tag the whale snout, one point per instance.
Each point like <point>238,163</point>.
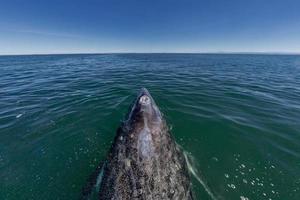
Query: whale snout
<point>148,106</point>
<point>144,91</point>
<point>145,99</point>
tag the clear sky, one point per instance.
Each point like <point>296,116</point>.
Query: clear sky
<point>86,26</point>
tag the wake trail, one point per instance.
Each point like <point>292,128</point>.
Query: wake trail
<point>195,173</point>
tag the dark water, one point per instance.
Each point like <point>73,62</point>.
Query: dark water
<point>238,116</point>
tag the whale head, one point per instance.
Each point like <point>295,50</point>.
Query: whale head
<point>145,125</point>
<point>145,112</point>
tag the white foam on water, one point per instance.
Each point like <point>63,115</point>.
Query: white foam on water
<point>231,186</point>
<point>190,162</point>
<point>244,198</point>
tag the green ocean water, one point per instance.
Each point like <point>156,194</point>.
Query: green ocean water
<point>237,116</point>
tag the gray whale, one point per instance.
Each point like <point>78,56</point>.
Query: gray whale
<point>144,161</point>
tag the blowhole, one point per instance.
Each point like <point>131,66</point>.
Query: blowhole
<point>144,100</point>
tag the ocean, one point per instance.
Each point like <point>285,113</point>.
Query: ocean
<point>237,117</point>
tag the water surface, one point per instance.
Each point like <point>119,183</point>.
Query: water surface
<point>238,116</point>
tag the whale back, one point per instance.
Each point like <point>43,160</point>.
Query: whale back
<point>144,161</point>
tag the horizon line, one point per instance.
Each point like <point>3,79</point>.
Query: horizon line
<point>99,53</point>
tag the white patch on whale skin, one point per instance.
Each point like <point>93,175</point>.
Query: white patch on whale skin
<point>145,145</point>
<point>144,100</point>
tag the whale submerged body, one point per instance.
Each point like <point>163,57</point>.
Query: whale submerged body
<point>144,161</point>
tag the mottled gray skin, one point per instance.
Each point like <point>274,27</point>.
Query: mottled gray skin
<point>144,161</point>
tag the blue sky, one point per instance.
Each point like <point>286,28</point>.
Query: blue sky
<point>86,26</point>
